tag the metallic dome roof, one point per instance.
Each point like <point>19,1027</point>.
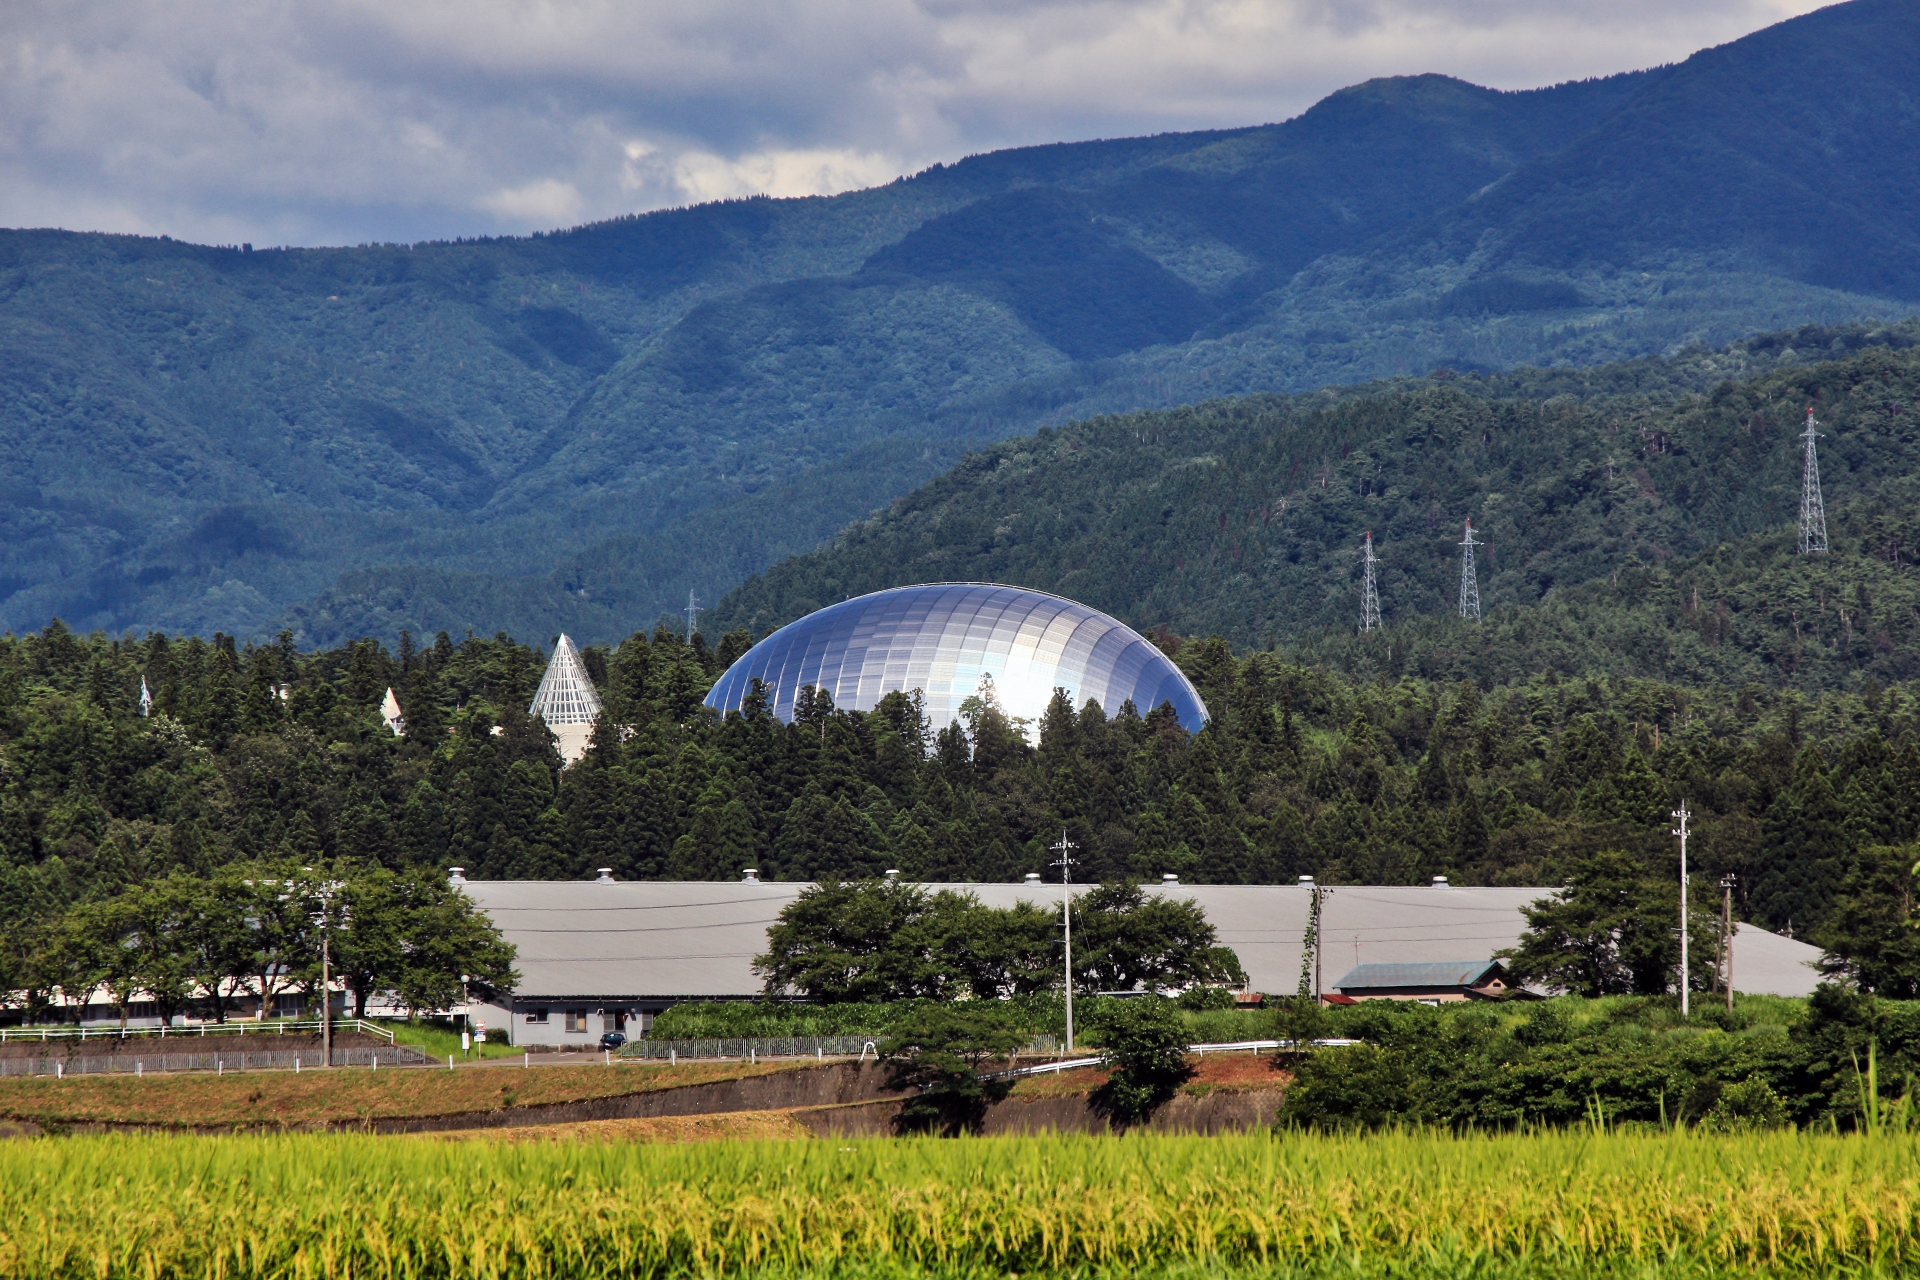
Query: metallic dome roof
<point>943,637</point>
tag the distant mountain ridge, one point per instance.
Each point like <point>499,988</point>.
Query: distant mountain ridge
<point>577,429</point>
<point>1636,521</point>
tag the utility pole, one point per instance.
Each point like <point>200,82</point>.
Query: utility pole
<point>325,894</point>
<point>1726,935</point>
<point>1310,972</point>
<point>1682,815</point>
<point>693,611</point>
<point>1065,849</point>
<point>1813,512</point>
<point>1469,577</point>
<point>1369,594</point>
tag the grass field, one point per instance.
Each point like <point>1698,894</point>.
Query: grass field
<point>1562,1204</point>
<point>437,1041</point>
<point>342,1094</point>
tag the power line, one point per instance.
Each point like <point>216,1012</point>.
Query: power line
<point>652,906</point>
<point>660,928</point>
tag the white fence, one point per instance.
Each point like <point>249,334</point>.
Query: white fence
<point>15,1035</point>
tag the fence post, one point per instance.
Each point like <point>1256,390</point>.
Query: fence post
<point>449,1062</point>
<point>527,1059</point>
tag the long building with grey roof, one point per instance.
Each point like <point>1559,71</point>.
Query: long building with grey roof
<point>606,955</point>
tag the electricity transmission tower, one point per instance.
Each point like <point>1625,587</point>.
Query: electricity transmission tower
<point>693,611</point>
<point>1369,594</point>
<point>1813,512</point>
<point>1469,578</point>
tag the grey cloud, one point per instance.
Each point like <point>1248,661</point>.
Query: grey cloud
<point>346,120</point>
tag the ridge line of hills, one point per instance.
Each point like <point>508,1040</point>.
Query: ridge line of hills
<point>1645,529</point>
<point>203,439</point>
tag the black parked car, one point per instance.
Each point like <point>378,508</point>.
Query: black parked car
<point>613,1039</point>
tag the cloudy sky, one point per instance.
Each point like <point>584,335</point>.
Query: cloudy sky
<point>341,121</point>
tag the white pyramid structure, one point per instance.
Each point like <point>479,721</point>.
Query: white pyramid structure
<point>390,712</point>
<point>566,701</point>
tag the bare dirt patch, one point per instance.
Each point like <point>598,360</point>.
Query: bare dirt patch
<point>1222,1072</point>
<point>750,1126</point>
<point>282,1099</point>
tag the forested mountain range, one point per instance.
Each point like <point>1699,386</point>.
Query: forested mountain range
<point>574,429</point>
<point>1632,525</point>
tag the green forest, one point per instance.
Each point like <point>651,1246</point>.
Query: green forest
<point>1638,520</point>
<point>266,752</point>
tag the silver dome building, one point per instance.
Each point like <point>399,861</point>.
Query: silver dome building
<point>944,637</point>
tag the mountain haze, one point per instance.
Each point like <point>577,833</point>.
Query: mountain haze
<point>575,429</point>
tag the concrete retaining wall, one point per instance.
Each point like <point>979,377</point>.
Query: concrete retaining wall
<point>836,1084</point>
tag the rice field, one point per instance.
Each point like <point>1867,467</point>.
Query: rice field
<point>1575,1204</point>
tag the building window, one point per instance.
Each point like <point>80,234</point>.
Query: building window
<point>577,1020</point>
<point>538,1016</point>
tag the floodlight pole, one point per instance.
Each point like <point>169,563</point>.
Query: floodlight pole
<point>1065,849</point>
<point>1682,815</point>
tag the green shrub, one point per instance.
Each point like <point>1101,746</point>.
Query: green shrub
<point>1144,1040</point>
<point>1750,1104</point>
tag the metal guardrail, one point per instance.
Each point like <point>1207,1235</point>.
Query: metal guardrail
<point>14,1035</point>
<point>1047,1068</point>
<point>754,1047</point>
<point>1235,1046</point>
<point>1254,1046</point>
<point>751,1048</point>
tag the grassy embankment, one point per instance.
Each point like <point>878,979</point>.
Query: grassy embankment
<point>342,1094</point>
<point>1409,1205</point>
<point>437,1041</point>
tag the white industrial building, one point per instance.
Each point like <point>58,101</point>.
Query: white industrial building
<point>603,956</point>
